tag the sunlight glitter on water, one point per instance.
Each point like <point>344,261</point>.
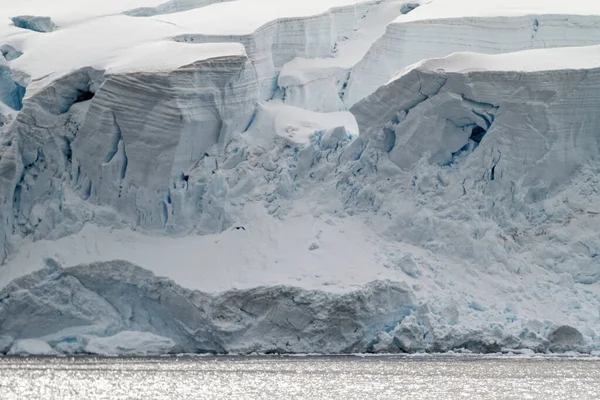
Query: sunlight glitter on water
<point>299,378</point>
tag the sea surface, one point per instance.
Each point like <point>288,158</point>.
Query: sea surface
<point>275,377</point>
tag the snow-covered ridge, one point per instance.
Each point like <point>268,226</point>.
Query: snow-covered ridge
<point>409,40</point>
<point>255,23</point>
<point>565,58</point>
<point>444,9</point>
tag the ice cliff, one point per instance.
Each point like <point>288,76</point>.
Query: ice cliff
<point>326,176</point>
<point>520,122</point>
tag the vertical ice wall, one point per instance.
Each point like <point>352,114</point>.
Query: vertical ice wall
<point>129,141</point>
<point>144,143</point>
<point>273,45</point>
<point>527,131</point>
<point>145,133</point>
<point>405,43</point>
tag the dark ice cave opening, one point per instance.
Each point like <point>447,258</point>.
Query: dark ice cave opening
<point>477,134</point>
<point>83,95</point>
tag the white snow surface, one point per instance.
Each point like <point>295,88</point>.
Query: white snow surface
<point>95,35</point>
<point>566,58</point>
<point>442,27</point>
<point>267,252</point>
<point>332,176</point>
<point>31,347</point>
<point>443,9</point>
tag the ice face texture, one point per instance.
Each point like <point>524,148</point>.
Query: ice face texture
<point>520,122</point>
<point>321,176</point>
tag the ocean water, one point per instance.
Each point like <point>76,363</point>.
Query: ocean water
<point>274,377</point>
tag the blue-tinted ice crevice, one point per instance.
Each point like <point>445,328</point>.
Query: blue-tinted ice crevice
<point>11,91</point>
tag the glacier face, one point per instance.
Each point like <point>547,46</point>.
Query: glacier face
<point>124,159</point>
<point>407,42</point>
<point>294,198</point>
<point>521,123</point>
<point>107,308</point>
<point>106,300</point>
<point>272,45</point>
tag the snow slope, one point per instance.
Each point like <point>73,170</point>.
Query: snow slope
<point>319,176</point>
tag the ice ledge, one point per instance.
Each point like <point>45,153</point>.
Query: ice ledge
<point>408,42</point>
<point>151,57</point>
<point>567,58</point>
<point>71,309</point>
<point>444,9</point>
<point>119,308</point>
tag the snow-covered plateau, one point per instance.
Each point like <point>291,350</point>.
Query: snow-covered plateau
<point>315,176</point>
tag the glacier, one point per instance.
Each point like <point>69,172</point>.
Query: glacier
<point>340,176</point>
<point>445,27</point>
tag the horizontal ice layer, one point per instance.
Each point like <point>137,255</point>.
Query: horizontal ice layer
<point>98,37</point>
<point>150,57</point>
<point>534,126</point>
<point>442,9</point>
<point>71,309</point>
<point>409,40</point>
<point>567,58</point>
<point>246,16</point>
<point>118,308</point>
